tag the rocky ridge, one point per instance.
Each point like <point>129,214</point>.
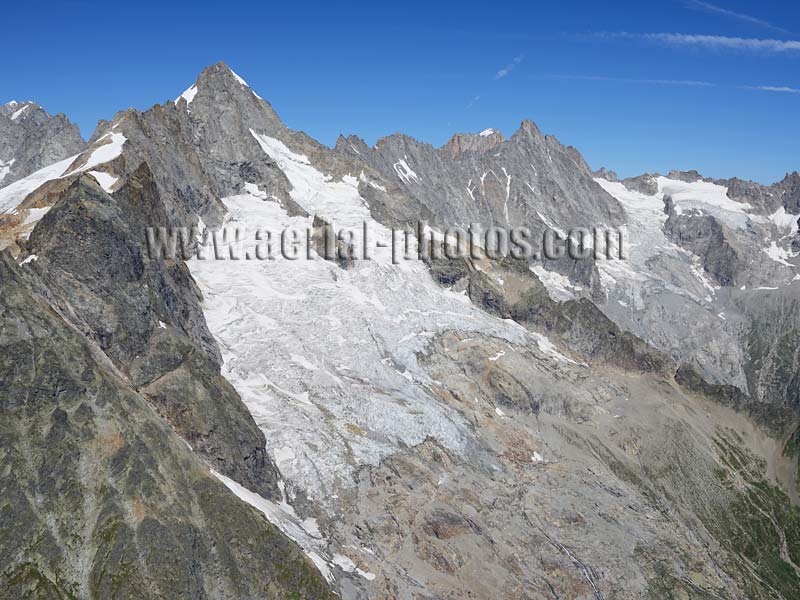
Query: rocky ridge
<point>31,139</point>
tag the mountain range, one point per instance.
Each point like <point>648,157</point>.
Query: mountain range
<point>444,428</point>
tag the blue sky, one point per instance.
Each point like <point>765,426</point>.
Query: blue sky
<point>635,86</point>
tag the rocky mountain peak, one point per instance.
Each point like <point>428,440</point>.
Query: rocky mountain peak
<point>604,173</point>
<point>220,72</point>
<point>15,110</point>
<point>789,191</point>
<point>219,89</point>
<point>472,142</point>
<point>527,129</point>
<point>31,139</point>
<point>685,176</point>
<point>351,143</point>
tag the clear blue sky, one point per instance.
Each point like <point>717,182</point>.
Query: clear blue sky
<point>590,73</point>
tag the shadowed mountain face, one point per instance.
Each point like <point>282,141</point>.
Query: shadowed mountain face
<point>31,139</point>
<point>444,428</point>
<point>101,498</point>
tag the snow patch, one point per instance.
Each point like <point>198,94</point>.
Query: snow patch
<point>549,223</point>
<point>405,172</point>
<point>5,168</point>
<point>35,214</point>
<point>558,286</point>
<point>778,254</point>
<point>497,356</point>
<point>785,221</point>
<point>19,112</point>
<point>366,180</point>
<point>105,153</point>
<point>348,566</point>
<point>12,195</point>
<point>188,95</point>
<point>707,197</point>
<point>106,181</point>
<point>548,347</point>
<point>486,132</point>
<point>285,520</point>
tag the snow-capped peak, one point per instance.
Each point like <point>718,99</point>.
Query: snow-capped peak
<point>190,93</point>
<point>239,79</point>
<point>486,132</point>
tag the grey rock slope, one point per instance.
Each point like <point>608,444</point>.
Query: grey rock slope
<point>451,429</point>
<point>525,180</point>
<point>31,139</point>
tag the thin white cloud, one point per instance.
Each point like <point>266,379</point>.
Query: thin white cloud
<point>683,82</point>
<point>719,42</point>
<point>775,88</point>
<point>707,7</point>
<point>784,89</point>
<point>509,67</point>
<point>472,102</point>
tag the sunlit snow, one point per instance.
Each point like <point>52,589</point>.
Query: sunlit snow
<point>343,388</point>
<point>705,196</point>
<point>105,180</point>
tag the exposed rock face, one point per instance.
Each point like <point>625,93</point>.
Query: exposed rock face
<point>101,498</point>
<point>789,188</point>
<point>478,143</point>
<point>144,314</point>
<point>603,173</point>
<point>524,181</point>
<point>644,184</point>
<point>327,245</point>
<point>31,139</point>
<point>709,239</point>
<point>785,193</point>
<point>685,176</point>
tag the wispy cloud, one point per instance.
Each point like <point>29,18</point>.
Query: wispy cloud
<point>707,7</point>
<point>783,89</point>
<point>774,88</point>
<point>509,67</point>
<point>718,42</point>
<point>472,102</point>
<point>684,82</point>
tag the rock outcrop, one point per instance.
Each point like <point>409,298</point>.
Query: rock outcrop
<point>31,139</point>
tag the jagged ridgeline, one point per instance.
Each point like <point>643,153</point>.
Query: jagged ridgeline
<point>332,426</point>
